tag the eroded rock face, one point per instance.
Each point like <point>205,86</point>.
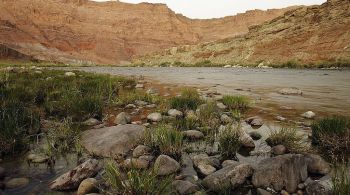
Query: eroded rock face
<point>112,141</point>
<point>72,179</point>
<point>284,171</point>
<point>74,31</point>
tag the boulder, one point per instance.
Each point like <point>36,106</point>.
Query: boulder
<point>245,139</point>
<point>230,176</point>
<point>175,113</point>
<point>122,119</point>
<point>260,191</point>
<point>154,117</point>
<point>290,91</point>
<point>308,115</point>
<point>16,183</point>
<point>113,141</point>
<point>141,150</point>
<point>206,169</point>
<point>279,150</point>
<point>37,158</point>
<point>165,165</point>
<point>72,179</point>
<point>225,119</point>
<point>281,172</point>
<point>316,164</point>
<point>193,134</point>
<point>255,135</point>
<point>91,122</point>
<point>87,186</point>
<point>227,163</point>
<point>184,187</point>
<point>136,163</point>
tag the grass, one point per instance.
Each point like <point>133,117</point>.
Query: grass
<point>183,124</point>
<point>287,137</point>
<point>28,95</point>
<point>189,100</point>
<point>229,142</point>
<point>331,136</point>
<point>241,103</point>
<point>209,118</point>
<point>166,140</point>
<point>136,181</point>
<point>341,180</point>
<point>131,96</point>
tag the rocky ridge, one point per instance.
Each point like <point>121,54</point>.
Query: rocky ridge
<point>87,32</point>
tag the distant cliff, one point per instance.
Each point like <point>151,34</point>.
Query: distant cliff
<point>81,31</point>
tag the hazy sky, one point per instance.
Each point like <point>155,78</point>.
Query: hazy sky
<point>220,8</point>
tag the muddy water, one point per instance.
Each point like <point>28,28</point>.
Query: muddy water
<point>324,91</point>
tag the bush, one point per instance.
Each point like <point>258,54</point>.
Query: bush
<point>189,100</point>
<point>229,142</point>
<point>241,103</point>
<point>136,181</point>
<point>165,140</point>
<point>287,137</point>
<point>341,180</point>
<point>331,136</point>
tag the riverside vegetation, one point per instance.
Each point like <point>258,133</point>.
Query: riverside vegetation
<point>184,144</point>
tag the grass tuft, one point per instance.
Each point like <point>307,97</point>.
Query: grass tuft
<point>229,142</point>
<point>241,103</point>
<point>189,100</point>
<point>341,180</point>
<point>287,137</point>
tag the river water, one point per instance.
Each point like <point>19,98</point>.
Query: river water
<point>324,91</point>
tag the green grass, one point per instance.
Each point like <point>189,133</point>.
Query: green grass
<point>183,124</point>
<point>288,137</point>
<point>136,181</point>
<point>26,96</point>
<point>209,118</point>
<point>189,100</point>
<point>130,96</point>
<point>229,142</point>
<point>241,103</point>
<point>341,180</point>
<point>165,139</point>
<point>331,136</point>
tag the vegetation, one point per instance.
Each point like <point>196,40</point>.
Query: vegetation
<point>287,137</point>
<point>189,100</point>
<point>165,139</point>
<point>136,181</point>
<point>229,142</point>
<point>341,180</point>
<point>209,118</point>
<point>241,103</point>
<point>331,136</point>
<point>28,95</point>
<point>183,124</point>
<point>131,96</point>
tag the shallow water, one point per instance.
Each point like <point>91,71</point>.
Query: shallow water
<point>324,91</point>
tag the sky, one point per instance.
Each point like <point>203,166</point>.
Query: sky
<point>219,8</point>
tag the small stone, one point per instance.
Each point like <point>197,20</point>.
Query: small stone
<point>193,134</point>
<point>141,103</point>
<point>279,150</point>
<point>152,91</point>
<point>69,74</point>
<point>91,122</point>
<point>299,192</point>
<point>260,191</point>
<point>165,165</point>
<point>130,106</point>
<point>254,121</point>
<point>141,150</point>
<point>226,119</point>
<point>175,113</point>
<point>2,172</point>
<point>309,115</point>
<point>221,106</point>
<point>122,119</point>
<point>290,91</point>
<point>139,86</point>
<point>283,192</point>
<point>191,114</point>
<point>37,158</point>
<point>148,158</point>
<point>184,187</point>
<point>316,164</point>
<point>206,169</point>
<point>154,117</point>
<point>136,163</point>
<point>87,186</point>
<point>301,186</point>
<point>17,183</point>
<point>280,118</point>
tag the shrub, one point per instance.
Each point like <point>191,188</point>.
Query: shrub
<point>288,137</point>
<point>189,100</point>
<point>236,102</point>
<point>136,181</point>
<point>229,142</point>
<point>331,136</point>
<point>341,180</point>
<point>165,140</point>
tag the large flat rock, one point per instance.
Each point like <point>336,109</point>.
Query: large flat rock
<point>112,141</point>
